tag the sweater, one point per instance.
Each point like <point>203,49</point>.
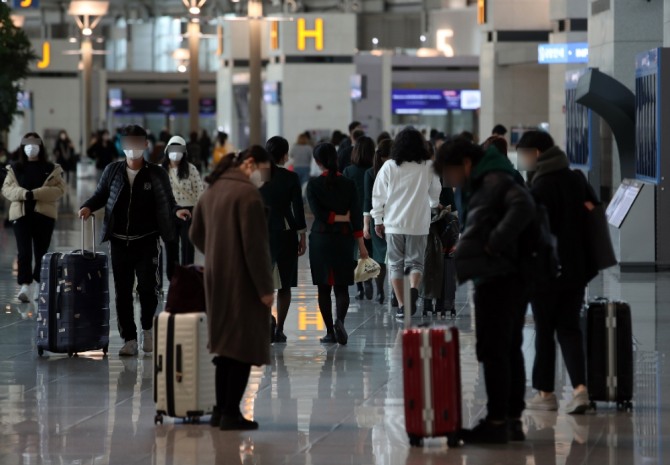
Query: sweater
<point>187,191</point>
<point>403,195</point>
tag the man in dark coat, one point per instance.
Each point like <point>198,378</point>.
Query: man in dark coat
<point>139,211</point>
<point>496,211</point>
<point>557,305</point>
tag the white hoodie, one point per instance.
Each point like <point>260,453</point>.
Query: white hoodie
<point>403,196</point>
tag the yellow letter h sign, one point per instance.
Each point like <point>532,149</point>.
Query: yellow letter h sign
<point>316,34</point>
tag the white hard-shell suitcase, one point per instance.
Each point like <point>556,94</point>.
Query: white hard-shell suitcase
<point>184,375</point>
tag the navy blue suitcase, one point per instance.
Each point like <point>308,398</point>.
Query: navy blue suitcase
<point>73,304</point>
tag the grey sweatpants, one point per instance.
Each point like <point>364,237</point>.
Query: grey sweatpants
<point>405,251</point>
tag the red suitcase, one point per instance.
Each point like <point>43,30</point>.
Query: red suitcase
<point>432,381</point>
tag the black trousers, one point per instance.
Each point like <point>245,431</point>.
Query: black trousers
<point>33,237</point>
<point>557,316</point>
<point>500,309</point>
<point>342,301</point>
<point>130,260</point>
<point>172,249</point>
<point>231,380</point>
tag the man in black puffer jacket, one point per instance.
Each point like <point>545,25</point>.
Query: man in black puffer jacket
<point>139,207</point>
<point>557,305</point>
<point>496,210</point>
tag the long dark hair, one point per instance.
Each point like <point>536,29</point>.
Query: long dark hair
<point>234,160</point>
<point>326,155</point>
<point>364,152</point>
<point>23,158</point>
<point>409,146</point>
<point>183,168</point>
<point>382,154</point>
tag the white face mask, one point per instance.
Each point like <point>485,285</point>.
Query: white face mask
<point>175,156</point>
<point>31,150</point>
<point>257,179</point>
<point>133,154</point>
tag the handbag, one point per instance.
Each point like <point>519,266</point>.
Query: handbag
<point>186,293</point>
<point>599,243</point>
<point>366,269</point>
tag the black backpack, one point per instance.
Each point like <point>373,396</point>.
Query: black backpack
<point>539,251</point>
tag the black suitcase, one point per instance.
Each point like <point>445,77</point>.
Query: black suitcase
<point>73,304</point>
<point>609,353</point>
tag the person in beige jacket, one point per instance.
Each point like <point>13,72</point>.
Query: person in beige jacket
<point>33,186</point>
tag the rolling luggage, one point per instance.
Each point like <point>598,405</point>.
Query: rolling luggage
<point>73,303</point>
<point>432,384</point>
<point>183,371</point>
<point>609,353</point>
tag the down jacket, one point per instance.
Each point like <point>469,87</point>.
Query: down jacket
<point>46,197</point>
<point>498,211</point>
<point>110,186</point>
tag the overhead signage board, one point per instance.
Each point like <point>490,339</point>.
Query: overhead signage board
<point>433,101</point>
<point>26,4</point>
<point>575,52</point>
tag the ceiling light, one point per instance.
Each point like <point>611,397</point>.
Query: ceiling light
<point>87,31</point>
<point>181,68</point>
<point>375,41</point>
<point>72,40</point>
<point>194,10</point>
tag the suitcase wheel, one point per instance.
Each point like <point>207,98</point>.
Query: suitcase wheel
<point>453,440</point>
<point>626,406</point>
<point>40,351</point>
<point>415,441</point>
<point>71,353</point>
<point>158,419</point>
<point>592,406</point>
<point>105,349</point>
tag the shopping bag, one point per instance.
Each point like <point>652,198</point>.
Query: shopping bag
<point>366,269</point>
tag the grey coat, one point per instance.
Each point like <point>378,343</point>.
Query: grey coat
<point>230,228</point>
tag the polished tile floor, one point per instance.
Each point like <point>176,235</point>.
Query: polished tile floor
<point>317,405</point>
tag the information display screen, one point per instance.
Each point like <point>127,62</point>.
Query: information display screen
<point>647,115</point>
<point>577,123</point>
<point>433,101</point>
<point>623,200</point>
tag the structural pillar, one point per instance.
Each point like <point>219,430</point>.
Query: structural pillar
<point>194,76</point>
<point>87,75</point>
<point>255,78</point>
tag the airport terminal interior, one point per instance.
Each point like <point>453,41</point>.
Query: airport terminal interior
<point>229,74</point>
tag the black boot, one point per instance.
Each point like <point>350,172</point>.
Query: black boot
<point>328,339</point>
<point>381,297</point>
<point>238,423</point>
<point>428,307</point>
<point>414,296</point>
<point>361,292</point>
<point>215,421</point>
<point>369,291</point>
<point>486,433</point>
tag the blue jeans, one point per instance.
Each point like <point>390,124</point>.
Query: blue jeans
<point>303,174</point>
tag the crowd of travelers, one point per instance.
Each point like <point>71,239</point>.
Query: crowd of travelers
<point>429,209</point>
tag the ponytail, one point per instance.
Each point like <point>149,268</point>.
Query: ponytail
<point>326,155</point>
<point>234,160</point>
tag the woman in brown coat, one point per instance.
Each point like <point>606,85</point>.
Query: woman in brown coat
<point>230,228</point>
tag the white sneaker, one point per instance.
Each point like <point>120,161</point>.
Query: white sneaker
<point>547,404</point>
<point>579,404</point>
<point>129,349</point>
<point>147,341</point>
<point>24,293</point>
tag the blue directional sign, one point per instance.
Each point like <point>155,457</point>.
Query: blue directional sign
<point>25,4</point>
<point>576,52</point>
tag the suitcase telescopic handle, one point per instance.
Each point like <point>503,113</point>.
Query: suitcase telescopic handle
<point>83,234</point>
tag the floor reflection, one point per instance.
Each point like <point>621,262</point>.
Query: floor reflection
<point>317,405</point>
